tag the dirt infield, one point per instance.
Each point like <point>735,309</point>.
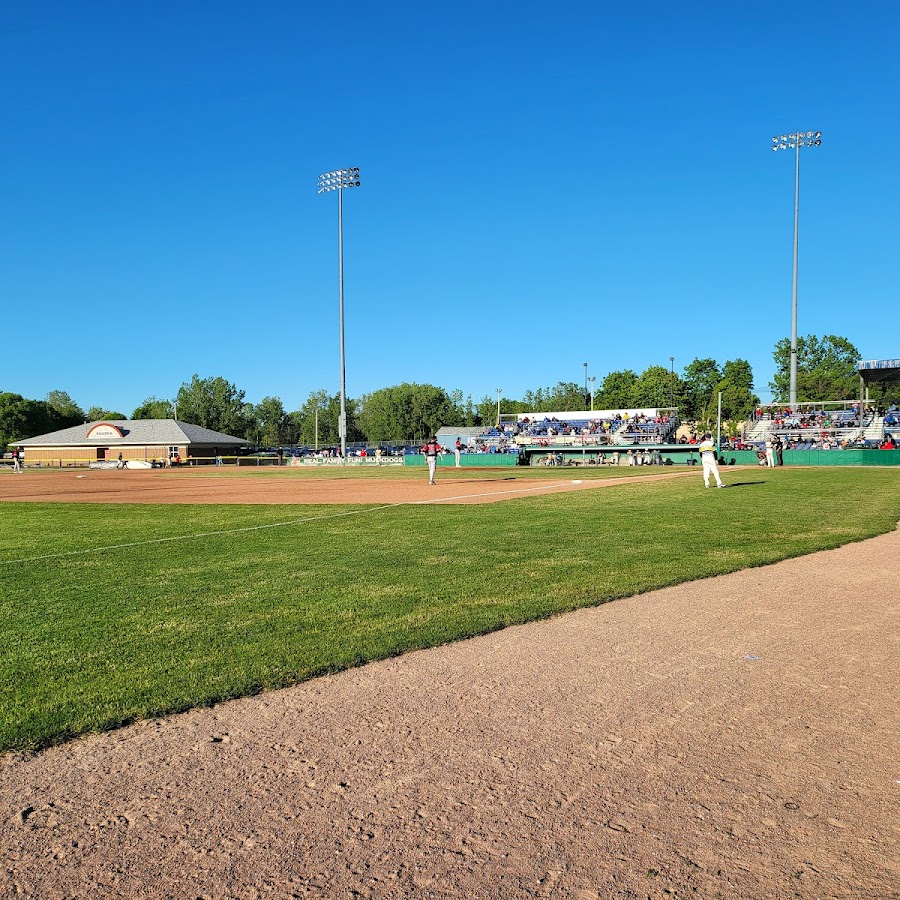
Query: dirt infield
<point>737,737</point>
<point>112,486</point>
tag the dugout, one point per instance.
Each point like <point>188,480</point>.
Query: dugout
<point>140,440</point>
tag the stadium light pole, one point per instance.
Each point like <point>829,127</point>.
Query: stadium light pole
<point>585,378</point>
<point>337,181</point>
<point>499,392</point>
<point>671,382</point>
<point>592,379</point>
<point>794,142</point>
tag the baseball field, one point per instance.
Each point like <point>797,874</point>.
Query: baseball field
<point>129,596</point>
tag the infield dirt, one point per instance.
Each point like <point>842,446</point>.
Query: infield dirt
<point>162,486</point>
<point>732,737</point>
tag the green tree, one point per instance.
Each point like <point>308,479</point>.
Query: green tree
<point>535,401</point>
<point>826,369</point>
<point>736,385</point>
<point>652,387</point>
<point>566,396</point>
<point>21,419</point>
<point>98,414</point>
<point>153,408</point>
<point>700,379</point>
<point>269,417</point>
<point>406,412</point>
<point>214,403</point>
<point>619,390</point>
<point>64,411</point>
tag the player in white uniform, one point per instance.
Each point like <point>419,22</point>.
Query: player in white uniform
<point>708,458</point>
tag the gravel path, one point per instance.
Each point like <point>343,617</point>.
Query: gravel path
<point>733,737</point>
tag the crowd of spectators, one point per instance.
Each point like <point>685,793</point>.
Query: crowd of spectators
<point>594,431</point>
<point>816,419</point>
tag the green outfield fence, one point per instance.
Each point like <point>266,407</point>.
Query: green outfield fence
<point>820,457</point>
<point>466,460</point>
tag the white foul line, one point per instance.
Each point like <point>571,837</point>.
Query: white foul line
<point>221,533</point>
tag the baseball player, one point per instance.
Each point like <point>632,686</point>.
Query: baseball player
<point>708,458</point>
<point>431,450</point>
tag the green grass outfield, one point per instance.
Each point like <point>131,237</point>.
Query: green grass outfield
<point>100,637</point>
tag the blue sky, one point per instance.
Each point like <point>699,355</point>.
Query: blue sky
<point>543,185</point>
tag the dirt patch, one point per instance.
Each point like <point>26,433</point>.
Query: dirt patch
<point>733,737</point>
<point>147,486</point>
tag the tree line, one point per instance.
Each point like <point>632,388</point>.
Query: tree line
<point>410,412</point>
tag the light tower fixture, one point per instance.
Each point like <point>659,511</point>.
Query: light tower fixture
<point>795,141</point>
<point>337,181</point>
<point>499,394</point>
<point>671,382</point>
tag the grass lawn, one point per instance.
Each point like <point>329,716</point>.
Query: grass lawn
<point>100,637</point>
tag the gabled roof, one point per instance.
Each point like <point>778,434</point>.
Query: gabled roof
<point>168,432</point>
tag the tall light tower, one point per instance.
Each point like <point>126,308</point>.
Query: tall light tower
<point>585,379</point>
<point>337,181</point>
<point>499,393</point>
<point>795,142</point>
<point>592,379</point>
<point>671,382</point>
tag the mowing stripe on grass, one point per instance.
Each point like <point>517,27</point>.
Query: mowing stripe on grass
<point>202,534</point>
<point>292,522</point>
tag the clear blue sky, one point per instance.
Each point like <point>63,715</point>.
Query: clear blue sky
<point>543,185</point>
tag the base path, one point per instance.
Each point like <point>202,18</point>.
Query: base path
<point>737,737</point>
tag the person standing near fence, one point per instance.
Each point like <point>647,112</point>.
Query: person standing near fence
<point>17,467</point>
<point>708,458</point>
<point>431,450</point>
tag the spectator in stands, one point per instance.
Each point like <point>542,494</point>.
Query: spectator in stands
<point>888,443</point>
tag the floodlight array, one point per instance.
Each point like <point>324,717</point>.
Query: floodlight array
<point>796,140</point>
<point>339,179</point>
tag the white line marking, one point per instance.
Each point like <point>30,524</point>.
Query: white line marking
<point>202,534</point>
<point>304,521</point>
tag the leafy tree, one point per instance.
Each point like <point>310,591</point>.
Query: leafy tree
<point>486,411</point>
<point>619,390</point>
<point>566,396</point>
<point>406,412</point>
<point>153,408</point>
<point>738,399</point>
<point>826,369</point>
<point>299,426</point>
<point>269,416</point>
<point>64,411</point>
<point>21,418</point>
<point>700,379</point>
<point>535,401</point>
<point>214,403</point>
<point>654,386</point>
<point>97,414</point>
